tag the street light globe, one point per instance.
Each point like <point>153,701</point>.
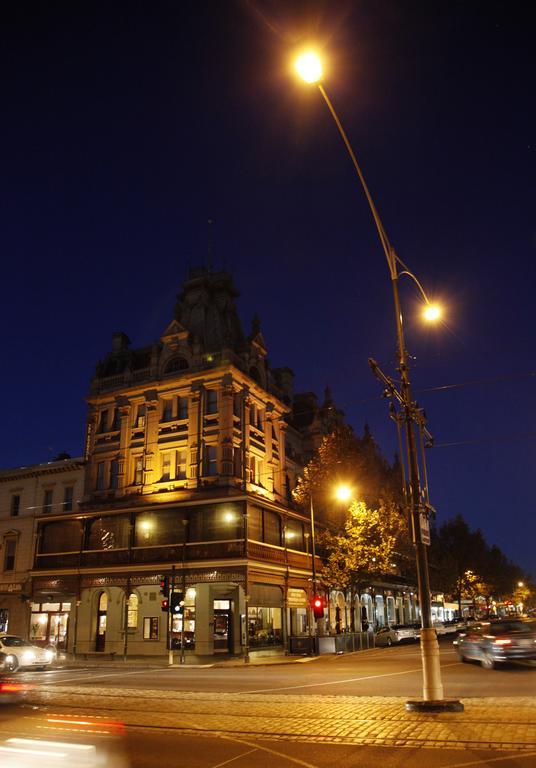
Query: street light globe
<point>343,493</point>
<point>309,67</point>
<point>432,312</point>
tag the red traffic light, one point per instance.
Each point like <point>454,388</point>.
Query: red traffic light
<point>165,605</point>
<point>318,604</point>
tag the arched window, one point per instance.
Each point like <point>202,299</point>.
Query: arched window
<point>176,364</point>
<point>133,611</point>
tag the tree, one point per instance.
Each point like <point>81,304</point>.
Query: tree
<point>344,458</point>
<point>361,541</point>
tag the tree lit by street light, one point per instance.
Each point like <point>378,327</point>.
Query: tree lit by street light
<point>309,67</point>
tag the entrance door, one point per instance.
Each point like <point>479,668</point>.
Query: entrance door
<point>101,622</point>
<point>57,630</point>
<point>223,640</point>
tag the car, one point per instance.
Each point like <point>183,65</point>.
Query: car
<point>495,642</point>
<point>15,653</point>
<point>396,633</point>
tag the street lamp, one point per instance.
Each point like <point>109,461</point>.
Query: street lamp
<point>309,67</point>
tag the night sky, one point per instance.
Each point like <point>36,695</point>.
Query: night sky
<point>126,126</point>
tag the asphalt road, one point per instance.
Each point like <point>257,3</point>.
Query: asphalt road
<point>381,672</point>
<point>301,714</point>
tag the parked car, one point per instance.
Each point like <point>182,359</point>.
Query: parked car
<point>496,642</point>
<point>396,633</point>
<point>19,653</point>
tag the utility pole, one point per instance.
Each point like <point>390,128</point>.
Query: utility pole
<point>170,617</point>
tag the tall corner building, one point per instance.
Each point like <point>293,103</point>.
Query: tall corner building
<point>191,452</point>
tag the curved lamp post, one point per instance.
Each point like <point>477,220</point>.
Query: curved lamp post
<point>309,68</point>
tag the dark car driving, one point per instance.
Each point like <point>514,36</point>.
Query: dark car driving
<point>498,641</point>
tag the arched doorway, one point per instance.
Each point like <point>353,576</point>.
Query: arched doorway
<point>102,609</point>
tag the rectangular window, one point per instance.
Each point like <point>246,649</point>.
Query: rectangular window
<point>47,501</point>
<point>63,536</point>
<point>255,523</point>
<point>237,460</point>
<point>138,471</point>
<point>115,420</point>
<point>182,412</point>
<point>259,420</point>
<point>15,505</point>
<point>180,471</point>
<point>254,470</point>
<point>237,405</point>
<point>140,417</point>
<point>114,474</point>
<point>211,460</point>
<point>103,426</point>
<point>167,411</point>
<point>10,549</point>
<point>272,528</point>
<point>211,401</point>
<point>166,466</point>
<point>108,533</point>
<point>150,628</point>
<point>68,499</point>
<point>100,476</point>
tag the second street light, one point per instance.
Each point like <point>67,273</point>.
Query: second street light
<point>309,67</point>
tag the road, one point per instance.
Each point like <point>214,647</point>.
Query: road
<point>343,710</point>
<point>381,672</point>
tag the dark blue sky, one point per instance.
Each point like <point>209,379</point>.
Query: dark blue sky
<point>125,126</point>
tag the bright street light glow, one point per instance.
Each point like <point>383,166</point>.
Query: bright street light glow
<point>432,312</point>
<point>343,492</point>
<point>308,67</point>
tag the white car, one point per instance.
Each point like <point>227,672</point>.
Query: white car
<point>17,653</point>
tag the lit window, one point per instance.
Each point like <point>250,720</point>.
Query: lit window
<point>10,549</point>
<point>132,611</point>
<point>15,505</point>
<point>180,472</point>
<point>47,501</point>
<point>138,471</point>
<point>211,402</point>
<point>140,416</point>
<point>166,466</point>
<point>68,499</point>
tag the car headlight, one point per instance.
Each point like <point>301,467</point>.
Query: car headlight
<point>28,656</point>
<point>49,655</point>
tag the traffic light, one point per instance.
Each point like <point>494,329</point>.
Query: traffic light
<point>177,603</point>
<point>165,605</point>
<point>318,604</point>
<point>164,586</point>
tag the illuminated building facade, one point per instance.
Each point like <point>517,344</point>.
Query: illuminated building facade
<point>186,477</point>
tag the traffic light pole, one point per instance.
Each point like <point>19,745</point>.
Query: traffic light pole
<point>170,618</point>
<point>313,553</point>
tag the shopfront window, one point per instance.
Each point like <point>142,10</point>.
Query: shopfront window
<point>265,626</point>
<point>49,624</point>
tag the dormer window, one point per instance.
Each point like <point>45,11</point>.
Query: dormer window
<point>176,364</point>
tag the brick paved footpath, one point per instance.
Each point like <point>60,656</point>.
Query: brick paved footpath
<point>486,723</point>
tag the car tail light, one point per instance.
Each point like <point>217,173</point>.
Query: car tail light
<point>13,688</point>
<point>502,641</point>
